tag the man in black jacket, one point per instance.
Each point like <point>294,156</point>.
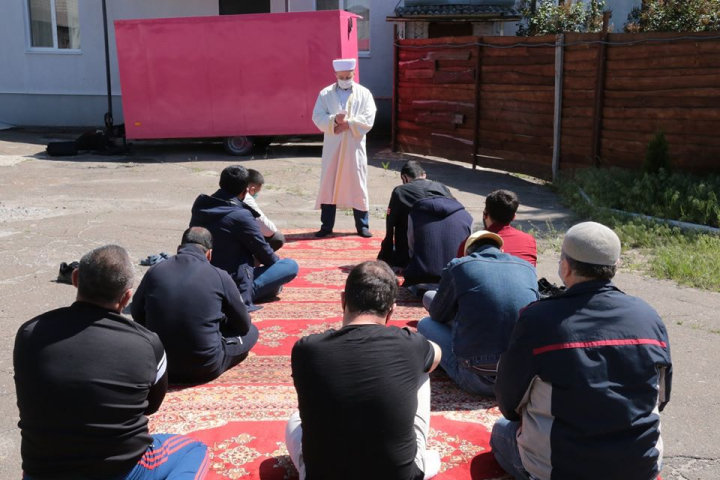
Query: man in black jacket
<point>394,247</point>
<point>239,244</point>
<point>86,379</point>
<point>196,310</point>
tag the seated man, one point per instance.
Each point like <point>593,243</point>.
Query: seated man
<point>500,209</point>
<point>587,372</point>
<point>415,186</point>
<point>475,309</point>
<point>238,241</point>
<point>196,310</point>
<point>273,236</point>
<point>363,391</point>
<point>435,227</point>
<point>86,377</point>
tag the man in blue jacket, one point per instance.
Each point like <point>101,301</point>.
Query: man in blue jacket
<point>475,309</point>
<point>239,244</point>
<point>585,375</point>
<point>196,310</point>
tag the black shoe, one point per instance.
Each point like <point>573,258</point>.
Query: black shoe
<point>323,233</point>
<point>65,273</point>
<point>365,233</point>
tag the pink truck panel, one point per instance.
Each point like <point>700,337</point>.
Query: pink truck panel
<point>229,75</point>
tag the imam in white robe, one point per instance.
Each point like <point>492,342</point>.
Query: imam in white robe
<point>343,181</point>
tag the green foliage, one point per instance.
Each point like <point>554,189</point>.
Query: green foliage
<point>675,16</point>
<point>677,196</point>
<point>657,157</point>
<point>685,256</point>
<point>570,16</point>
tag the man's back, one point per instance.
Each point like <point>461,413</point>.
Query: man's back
<point>597,365</point>
<point>357,391</point>
<point>401,202</point>
<point>183,300</point>
<point>517,243</point>
<point>237,238</point>
<point>482,294</point>
<point>438,226</point>
<point>83,375</point>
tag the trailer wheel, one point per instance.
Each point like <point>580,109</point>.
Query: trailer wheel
<point>238,146</point>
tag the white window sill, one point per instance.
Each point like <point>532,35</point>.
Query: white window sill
<point>54,51</point>
<point>364,55</point>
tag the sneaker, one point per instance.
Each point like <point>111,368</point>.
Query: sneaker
<point>365,233</point>
<point>323,233</point>
<point>65,273</point>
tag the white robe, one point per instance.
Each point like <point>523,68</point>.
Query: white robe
<point>343,181</point>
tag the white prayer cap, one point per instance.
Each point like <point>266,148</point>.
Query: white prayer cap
<point>344,64</point>
<point>592,243</point>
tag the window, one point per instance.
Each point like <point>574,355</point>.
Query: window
<point>54,24</point>
<point>358,7</point>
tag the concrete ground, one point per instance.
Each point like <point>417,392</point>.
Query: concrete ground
<point>54,210</point>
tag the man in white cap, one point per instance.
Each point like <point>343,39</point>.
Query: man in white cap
<point>585,375</point>
<point>475,309</point>
<point>345,113</point>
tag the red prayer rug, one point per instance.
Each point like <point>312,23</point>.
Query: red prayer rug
<point>241,416</point>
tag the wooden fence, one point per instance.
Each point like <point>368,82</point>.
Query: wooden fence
<point>541,104</point>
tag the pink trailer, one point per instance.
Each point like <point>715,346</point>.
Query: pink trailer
<point>237,77</point>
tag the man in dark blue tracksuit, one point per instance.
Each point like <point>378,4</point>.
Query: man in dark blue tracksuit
<point>239,244</point>
<point>585,375</point>
<point>196,310</point>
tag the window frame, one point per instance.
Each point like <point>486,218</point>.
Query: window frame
<point>342,4</point>
<point>54,49</point>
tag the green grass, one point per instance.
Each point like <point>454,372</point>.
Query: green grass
<point>688,257</point>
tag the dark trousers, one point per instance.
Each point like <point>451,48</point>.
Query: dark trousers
<point>237,348</point>
<point>327,217</point>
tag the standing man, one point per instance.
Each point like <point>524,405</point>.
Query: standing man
<point>585,376</point>
<point>415,186</point>
<point>87,377</point>
<point>345,113</point>
<point>363,391</point>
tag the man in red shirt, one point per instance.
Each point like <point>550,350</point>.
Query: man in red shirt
<point>500,208</point>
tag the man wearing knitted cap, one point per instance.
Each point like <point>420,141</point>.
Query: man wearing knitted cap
<point>345,113</point>
<point>585,375</point>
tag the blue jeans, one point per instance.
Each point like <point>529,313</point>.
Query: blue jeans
<point>465,378</point>
<point>169,456</point>
<point>269,279</point>
<point>327,218</point>
<point>503,442</point>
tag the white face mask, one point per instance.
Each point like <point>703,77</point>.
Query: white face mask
<point>345,84</point>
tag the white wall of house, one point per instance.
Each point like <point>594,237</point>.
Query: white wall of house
<point>69,89</point>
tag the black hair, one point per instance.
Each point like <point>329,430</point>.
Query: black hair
<point>234,179</point>
<point>255,177</point>
<point>198,236</point>
<point>412,169</point>
<point>105,274</point>
<point>589,270</point>
<point>371,288</point>
<point>501,205</point>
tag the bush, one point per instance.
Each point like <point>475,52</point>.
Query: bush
<point>677,196</point>
<point>675,16</point>
<point>571,16</point>
<point>657,157</point>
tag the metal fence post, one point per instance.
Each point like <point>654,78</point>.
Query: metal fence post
<point>557,122</point>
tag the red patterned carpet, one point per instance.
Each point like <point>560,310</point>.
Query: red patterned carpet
<point>241,416</point>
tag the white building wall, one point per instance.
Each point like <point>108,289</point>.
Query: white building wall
<point>69,89</point>
<point>65,89</point>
